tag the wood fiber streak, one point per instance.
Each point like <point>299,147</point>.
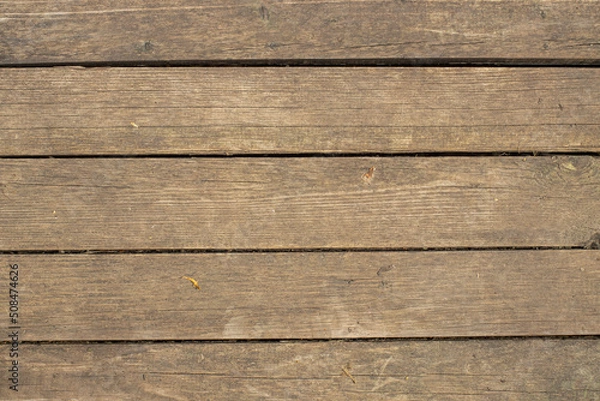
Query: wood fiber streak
<point>298,203</point>
<point>186,30</point>
<point>538,370</point>
<point>182,111</point>
<point>307,295</point>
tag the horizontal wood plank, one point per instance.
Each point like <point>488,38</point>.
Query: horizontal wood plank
<point>416,370</point>
<point>139,111</point>
<point>188,31</point>
<point>312,295</point>
<point>298,203</point>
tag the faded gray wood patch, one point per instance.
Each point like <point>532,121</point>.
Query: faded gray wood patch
<point>185,30</point>
<point>139,111</point>
<point>298,203</point>
<point>306,295</point>
<point>416,370</point>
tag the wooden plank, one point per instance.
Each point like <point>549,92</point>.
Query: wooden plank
<point>415,370</point>
<point>186,30</point>
<point>313,295</point>
<point>298,203</point>
<point>139,111</point>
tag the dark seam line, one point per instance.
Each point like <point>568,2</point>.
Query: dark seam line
<point>364,62</point>
<point>321,340</point>
<point>233,155</point>
<point>287,250</point>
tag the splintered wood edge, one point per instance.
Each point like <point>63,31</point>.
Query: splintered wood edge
<point>453,370</point>
<point>274,296</point>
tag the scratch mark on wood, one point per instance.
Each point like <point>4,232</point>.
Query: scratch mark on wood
<point>385,269</point>
<point>377,383</point>
<point>345,370</point>
<point>112,11</point>
<point>264,13</point>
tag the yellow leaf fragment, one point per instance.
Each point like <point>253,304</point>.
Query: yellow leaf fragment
<point>191,280</point>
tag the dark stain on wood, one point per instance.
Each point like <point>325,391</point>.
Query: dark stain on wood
<point>264,13</point>
<point>593,242</point>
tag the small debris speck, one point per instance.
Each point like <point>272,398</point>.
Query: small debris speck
<point>346,371</point>
<point>368,176</point>
<point>191,280</point>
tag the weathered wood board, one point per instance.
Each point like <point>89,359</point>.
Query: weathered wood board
<point>189,31</point>
<point>182,111</point>
<point>154,213</point>
<point>410,370</point>
<point>298,203</point>
<point>311,295</point>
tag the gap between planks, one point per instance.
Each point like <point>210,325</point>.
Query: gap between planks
<point>592,243</point>
<point>234,155</point>
<point>326,63</point>
<point>570,337</point>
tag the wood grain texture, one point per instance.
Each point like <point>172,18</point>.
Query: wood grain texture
<point>147,111</point>
<point>298,203</point>
<point>187,30</point>
<point>494,370</point>
<point>307,295</point>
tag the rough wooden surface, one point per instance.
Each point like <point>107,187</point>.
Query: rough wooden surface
<point>307,295</point>
<point>146,111</point>
<point>298,203</point>
<point>254,204</point>
<point>414,370</point>
<point>186,30</point>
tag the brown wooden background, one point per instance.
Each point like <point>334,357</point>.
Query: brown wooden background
<point>386,200</point>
